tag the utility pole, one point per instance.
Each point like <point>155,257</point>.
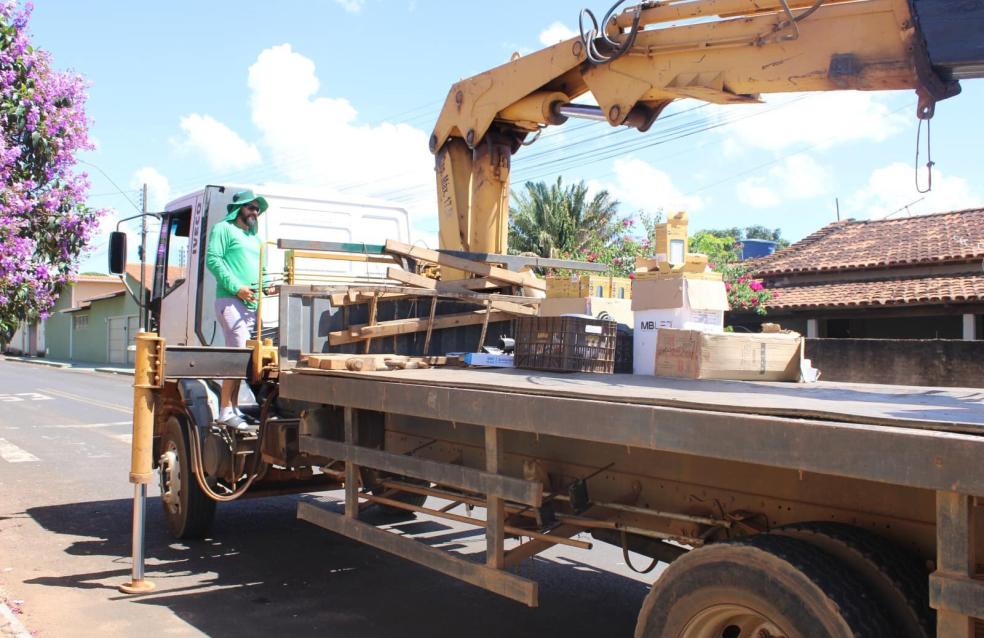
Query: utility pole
<point>838,205</point>
<point>143,263</point>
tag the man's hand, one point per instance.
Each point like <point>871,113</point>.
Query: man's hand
<point>245,293</point>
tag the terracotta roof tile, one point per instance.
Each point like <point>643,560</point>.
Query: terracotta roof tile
<point>859,245</point>
<point>133,270</point>
<point>903,291</point>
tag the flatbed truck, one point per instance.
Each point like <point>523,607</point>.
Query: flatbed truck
<point>826,511</point>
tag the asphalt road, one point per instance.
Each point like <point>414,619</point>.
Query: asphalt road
<point>65,546</point>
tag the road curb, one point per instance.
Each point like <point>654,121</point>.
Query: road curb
<point>126,373</point>
<point>38,362</point>
<point>10,624</point>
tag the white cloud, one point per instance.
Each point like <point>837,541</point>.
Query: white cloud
<point>352,6</point>
<point>797,177</point>
<point>158,187</point>
<point>822,120</point>
<point>319,141</point>
<point>221,147</point>
<point>639,185</point>
<point>757,194</point>
<point>556,32</point>
<point>892,188</point>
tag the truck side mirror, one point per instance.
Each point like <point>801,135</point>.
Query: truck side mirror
<point>117,252</point>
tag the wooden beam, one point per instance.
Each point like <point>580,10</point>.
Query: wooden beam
<point>406,326</point>
<point>362,293</point>
<point>464,478</point>
<point>361,257</point>
<point>477,522</point>
<point>351,470</point>
<point>495,538</point>
<point>952,585</point>
<point>411,279</point>
<point>477,268</point>
<point>441,286</point>
<point>499,582</point>
<point>533,547</point>
<point>475,283</point>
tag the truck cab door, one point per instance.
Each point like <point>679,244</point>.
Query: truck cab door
<point>170,294</point>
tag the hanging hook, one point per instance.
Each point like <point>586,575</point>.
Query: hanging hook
<point>929,156</point>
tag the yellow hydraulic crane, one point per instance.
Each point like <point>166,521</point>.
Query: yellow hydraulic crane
<point>640,59</point>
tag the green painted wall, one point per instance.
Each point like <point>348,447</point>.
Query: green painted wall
<point>89,344</point>
<point>57,327</point>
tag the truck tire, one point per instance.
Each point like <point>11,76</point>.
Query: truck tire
<point>763,586</point>
<point>188,512</point>
<point>896,577</point>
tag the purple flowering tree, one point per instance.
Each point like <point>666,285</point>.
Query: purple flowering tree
<point>44,221</point>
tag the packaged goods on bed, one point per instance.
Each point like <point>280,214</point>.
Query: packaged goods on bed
<point>565,344</point>
<point>683,302</point>
<point>692,354</point>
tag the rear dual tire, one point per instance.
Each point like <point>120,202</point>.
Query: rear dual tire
<point>761,587</point>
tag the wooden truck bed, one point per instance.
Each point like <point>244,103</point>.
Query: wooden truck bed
<point>945,409</point>
<point>891,437</point>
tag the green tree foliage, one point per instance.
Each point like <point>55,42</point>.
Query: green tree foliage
<point>555,220</point>
<point>44,221</point>
<point>722,249</point>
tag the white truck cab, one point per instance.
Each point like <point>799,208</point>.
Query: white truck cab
<point>183,297</point>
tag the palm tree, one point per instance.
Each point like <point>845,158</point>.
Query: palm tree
<point>553,220</point>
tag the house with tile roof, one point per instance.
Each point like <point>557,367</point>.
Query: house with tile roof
<point>94,320</point>
<point>908,278</point>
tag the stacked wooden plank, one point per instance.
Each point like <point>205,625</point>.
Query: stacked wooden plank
<point>370,362</point>
<point>494,306</point>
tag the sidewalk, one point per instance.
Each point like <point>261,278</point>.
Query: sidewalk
<point>81,366</point>
<point>10,624</point>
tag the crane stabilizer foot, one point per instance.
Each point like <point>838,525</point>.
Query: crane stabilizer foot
<point>137,587</point>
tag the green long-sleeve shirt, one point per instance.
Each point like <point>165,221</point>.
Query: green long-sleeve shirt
<point>233,256</point>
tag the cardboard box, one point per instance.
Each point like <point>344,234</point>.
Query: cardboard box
<point>683,303</point>
<point>619,310</point>
<point>690,293</point>
<point>563,287</point>
<point>670,239</point>
<point>691,354</point>
<point>649,323</point>
<point>485,360</point>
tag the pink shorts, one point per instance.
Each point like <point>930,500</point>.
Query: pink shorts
<point>238,322</point>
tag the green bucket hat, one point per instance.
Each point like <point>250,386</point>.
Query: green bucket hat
<point>242,198</point>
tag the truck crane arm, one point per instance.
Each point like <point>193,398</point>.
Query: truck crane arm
<point>638,61</point>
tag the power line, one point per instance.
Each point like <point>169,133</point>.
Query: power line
<point>106,175</point>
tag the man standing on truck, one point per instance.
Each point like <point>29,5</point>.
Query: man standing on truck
<point>233,256</point>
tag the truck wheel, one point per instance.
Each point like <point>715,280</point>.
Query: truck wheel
<point>894,576</point>
<point>188,512</point>
<point>759,587</point>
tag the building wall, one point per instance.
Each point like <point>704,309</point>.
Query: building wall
<point>91,343</point>
<point>933,362</point>
<point>57,328</point>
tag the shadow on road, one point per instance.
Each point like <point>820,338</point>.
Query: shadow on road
<point>265,572</point>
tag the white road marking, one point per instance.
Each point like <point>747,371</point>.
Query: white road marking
<point>13,454</point>
<point>83,426</point>
<point>24,396</point>
<point>101,404</point>
<point>125,438</point>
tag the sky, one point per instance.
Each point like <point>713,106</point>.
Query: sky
<point>342,95</point>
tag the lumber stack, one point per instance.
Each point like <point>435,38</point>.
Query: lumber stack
<point>369,362</point>
<point>409,285</point>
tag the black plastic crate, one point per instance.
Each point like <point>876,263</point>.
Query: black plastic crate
<point>565,344</point>
<point>623,351</point>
